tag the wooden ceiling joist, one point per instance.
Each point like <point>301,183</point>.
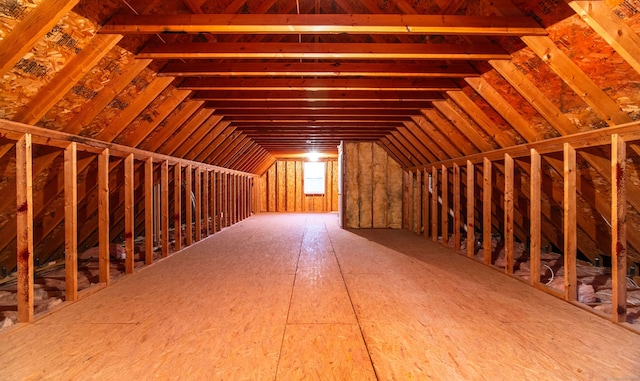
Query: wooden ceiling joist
<point>428,69</point>
<point>309,84</point>
<point>323,24</point>
<point>330,95</point>
<point>318,105</point>
<point>284,113</point>
<point>360,51</point>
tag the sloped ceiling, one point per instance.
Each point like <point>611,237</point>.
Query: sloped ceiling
<point>241,83</point>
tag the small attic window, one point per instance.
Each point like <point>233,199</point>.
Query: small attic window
<point>313,177</point>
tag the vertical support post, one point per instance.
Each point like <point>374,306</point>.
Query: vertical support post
<point>425,202</point>
<point>569,225</point>
<point>418,202</point>
<point>164,205</point>
<point>234,182</point>
<point>227,200</point>
<point>214,202</point>
<point>411,197</point>
<point>471,210</point>
<point>434,204</point>
<point>508,212</point>
<point>103,216</point>
<point>535,228</point>
<point>71,221</point>
<point>486,210</point>
<point>148,211</point>
<point>618,229</point>
<point>177,205</point>
<point>445,205</point>
<point>188,213</point>
<point>24,221</point>
<point>456,207</point>
<point>205,201</point>
<point>129,216</point>
<point>198,196</point>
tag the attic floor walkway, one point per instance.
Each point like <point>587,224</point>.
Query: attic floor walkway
<point>292,296</point>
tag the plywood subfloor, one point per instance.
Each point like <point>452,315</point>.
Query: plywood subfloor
<point>293,296</point>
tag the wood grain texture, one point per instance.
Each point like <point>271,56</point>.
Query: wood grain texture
<point>389,304</point>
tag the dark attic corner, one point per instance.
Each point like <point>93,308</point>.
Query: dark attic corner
<point>506,132</point>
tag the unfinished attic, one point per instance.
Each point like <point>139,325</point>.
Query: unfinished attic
<point>159,198</point>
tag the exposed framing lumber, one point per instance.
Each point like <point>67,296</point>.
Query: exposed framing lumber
<point>486,210</point>
<point>71,222</point>
<point>31,29</point>
<point>214,201</point>
<point>144,98</point>
<point>198,209</point>
<point>456,207</point>
<point>434,204</point>
<point>177,205</point>
<point>324,24</point>
<point>445,204</point>
<point>426,202</point>
<point>148,212</point>
<point>66,78</point>
<point>188,213</point>
<point>318,69</point>
<point>417,204</point>
<point>471,209</point>
<point>508,212</point>
<point>103,216</point>
<point>205,202</point>
<point>361,51</point>
<point>535,179</point>
<point>24,221</point>
<point>172,124</point>
<point>620,36</point>
<point>593,138</point>
<point>164,207</point>
<point>129,212</point>
<point>618,229</point>
<point>569,224</point>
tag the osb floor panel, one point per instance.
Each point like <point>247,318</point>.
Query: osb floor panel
<point>293,296</point>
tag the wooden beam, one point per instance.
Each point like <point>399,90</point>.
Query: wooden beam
<point>429,69</point>
<point>148,211</point>
<point>569,224</point>
<point>486,210</point>
<point>445,205</point>
<point>188,189</point>
<point>115,86</point>
<point>164,207</point>
<point>323,84</point>
<point>129,212</point>
<point>508,212</point>
<point>71,222</point>
<point>360,51</point>
<point>72,72</point>
<point>326,105</point>
<point>434,204</point>
<point>24,222</point>
<point>618,229</point>
<point>323,24</point>
<point>214,201</point>
<point>417,205</point>
<point>126,116</point>
<point>620,36</point>
<point>456,207</point>
<point>315,96</point>
<point>426,202</point>
<point>205,202</point>
<point>172,124</point>
<point>535,179</point>
<point>32,28</point>
<point>573,76</point>
<point>153,117</point>
<point>103,216</point>
<point>471,209</point>
<point>177,202</point>
<point>198,199</point>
